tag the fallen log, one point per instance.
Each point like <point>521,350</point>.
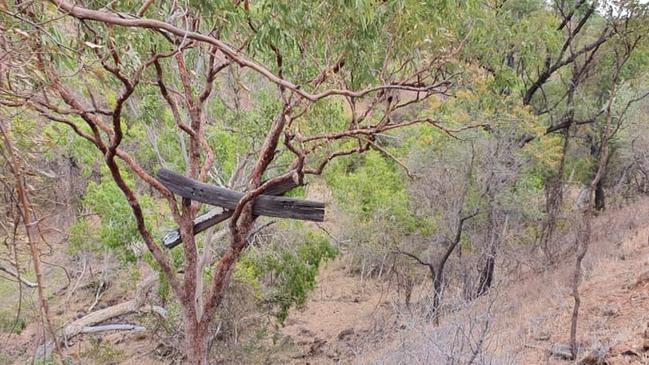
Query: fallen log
<point>11,271</point>
<point>272,206</point>
<point>113,327</point>
<point>217,215</point>
<point>89,322</point>
<point>86,323</point>
<point>128,307</point>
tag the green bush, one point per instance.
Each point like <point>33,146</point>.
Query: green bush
<point>117,228</point>
<point>290,272</point>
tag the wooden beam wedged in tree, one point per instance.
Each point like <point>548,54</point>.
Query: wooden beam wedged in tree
<point>226,199</point>
<point>216,216</point>
<point>204,221</point>
<point>272,206</point>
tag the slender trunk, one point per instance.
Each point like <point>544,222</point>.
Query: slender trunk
<point>583,239</point>
<point>582,243</point>
<point>600,196</point>
<point>437,293</point>
<point>222,272</point>
<point>487,273</point>
<point>437,274</point>
<point>554,201</point>
<point>30,230</point>
<point>467,283</point>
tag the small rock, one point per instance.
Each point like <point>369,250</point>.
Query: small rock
<point>610,310</point>
<point>345,333</point>
<point>316,347</point>
<point>592,359</point>
<point>561,351</point>
<point>642,280</point>
<point>630,352</point>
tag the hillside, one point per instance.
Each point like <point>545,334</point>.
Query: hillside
<point>352,321</point>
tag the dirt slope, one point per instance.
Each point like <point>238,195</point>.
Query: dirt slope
<point>349,321</point>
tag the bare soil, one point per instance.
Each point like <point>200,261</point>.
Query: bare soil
<point>349,321</point>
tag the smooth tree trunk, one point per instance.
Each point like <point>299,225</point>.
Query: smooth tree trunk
<point>197,322</point>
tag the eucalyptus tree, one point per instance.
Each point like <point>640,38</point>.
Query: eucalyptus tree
<point>297,84</point>
<point>570,75</point>
<point>550,55</point>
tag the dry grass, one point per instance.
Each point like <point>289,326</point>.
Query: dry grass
<point>517,323</point>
